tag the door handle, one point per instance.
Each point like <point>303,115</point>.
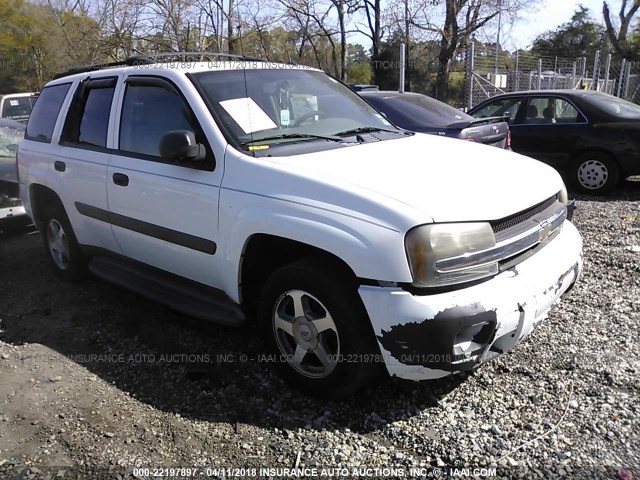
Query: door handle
<point>59,166</point>
<point>120,179</point>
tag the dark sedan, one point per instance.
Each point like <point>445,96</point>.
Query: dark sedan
<point>592,137</point>
<point>419,113</point>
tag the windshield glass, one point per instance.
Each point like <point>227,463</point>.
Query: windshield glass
<point>616,106</point>
<point>285,105</point>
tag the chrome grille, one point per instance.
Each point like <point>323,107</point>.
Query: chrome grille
<point>514,220</point>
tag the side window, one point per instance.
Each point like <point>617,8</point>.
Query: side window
<point>505,107</point>
<point>45,113</point>
<point>148,112</point>
<point>565,112</point>
<point>88,119</point>
<point>551,110</point>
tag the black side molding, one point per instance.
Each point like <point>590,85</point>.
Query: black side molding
<point>156,231</point>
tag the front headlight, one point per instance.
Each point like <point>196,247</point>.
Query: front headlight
<point>428,246</point>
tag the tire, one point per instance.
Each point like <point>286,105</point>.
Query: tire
<point>60,244</point>
<point>595,173</point>
<point>329,322</point>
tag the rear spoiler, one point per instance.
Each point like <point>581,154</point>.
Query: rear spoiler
<point>479,121</point>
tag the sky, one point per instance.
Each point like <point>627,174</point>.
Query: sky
<point>550,15</point>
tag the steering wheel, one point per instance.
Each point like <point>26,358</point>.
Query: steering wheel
<point>306,117</point>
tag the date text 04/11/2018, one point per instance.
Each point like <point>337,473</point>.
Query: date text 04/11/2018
<point>310,472</point>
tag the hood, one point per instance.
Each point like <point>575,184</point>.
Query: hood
<point>445,179</point>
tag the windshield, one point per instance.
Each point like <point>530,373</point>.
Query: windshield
<point>413,110</point>
<point>616,106</point>
<point>285,105</point>
<point>17,108</point>
<point>11,134</point>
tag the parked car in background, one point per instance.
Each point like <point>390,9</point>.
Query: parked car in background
<point>11,134</point>
<point>592,137</point>
<point>420,113</point>
<point>358,87</point>
<point>17,106</point>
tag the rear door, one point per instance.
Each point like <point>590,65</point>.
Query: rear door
<point>549,128</point>
<point>163,213</point>
<point>79,163</point>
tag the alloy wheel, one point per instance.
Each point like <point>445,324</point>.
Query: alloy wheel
<point>58,244</point>
<point>306,334</point>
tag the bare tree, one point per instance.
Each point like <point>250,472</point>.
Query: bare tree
<point>620,39</point>
<point>174,16</point>
<point>81,33</point>
<point>456,22</point>
<point>373,12</point>
<point>120,23</point>
<point>212,14</point>
<point>328,19</point>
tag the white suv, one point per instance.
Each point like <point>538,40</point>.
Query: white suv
<point>225,187</point>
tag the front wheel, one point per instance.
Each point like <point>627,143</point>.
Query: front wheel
<point>595,173</point>
<point>318,329</point>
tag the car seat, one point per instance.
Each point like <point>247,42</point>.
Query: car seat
<point>549,115</point>
<point>532,114</point>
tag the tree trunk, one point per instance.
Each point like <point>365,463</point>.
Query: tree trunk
<point>448,45</point>
<point>230,37</point>
<point>441,91</point>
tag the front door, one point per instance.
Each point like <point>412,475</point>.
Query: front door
<point>163,213</point>
<point>548,129</point>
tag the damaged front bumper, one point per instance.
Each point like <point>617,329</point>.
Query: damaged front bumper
<point>431,336</point>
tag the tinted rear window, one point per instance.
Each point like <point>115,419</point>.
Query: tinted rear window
<point>45,113</point>
<point>17,108</point>
<point>615,106</point>
<point>410,110</point>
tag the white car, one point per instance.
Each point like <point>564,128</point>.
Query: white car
<point>17,106</point>
<point>223,187</point>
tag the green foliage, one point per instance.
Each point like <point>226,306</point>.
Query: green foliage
<point>36,42</point>
<point>358,66</point>
<point>421,69</point>
<point>580,37</point>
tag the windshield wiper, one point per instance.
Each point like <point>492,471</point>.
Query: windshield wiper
<point>294,135</point>
<point>354,131</point>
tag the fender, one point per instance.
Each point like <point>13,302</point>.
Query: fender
<point>353,240</point>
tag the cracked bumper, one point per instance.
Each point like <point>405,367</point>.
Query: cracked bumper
<point>431,336</point>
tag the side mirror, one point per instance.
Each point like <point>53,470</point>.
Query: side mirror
<point>181,145</point>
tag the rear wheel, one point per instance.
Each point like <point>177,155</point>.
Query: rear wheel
<point>61,245</point>
<point>318,329</point>
<point>595,173</point>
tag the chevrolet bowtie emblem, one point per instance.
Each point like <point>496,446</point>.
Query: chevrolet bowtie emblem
<point>545,231</point>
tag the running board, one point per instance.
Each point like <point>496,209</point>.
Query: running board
<point>185,296</point>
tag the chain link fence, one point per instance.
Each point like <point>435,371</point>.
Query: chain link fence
<point>489,73</point>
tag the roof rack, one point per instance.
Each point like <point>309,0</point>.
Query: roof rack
<point>147,59</point>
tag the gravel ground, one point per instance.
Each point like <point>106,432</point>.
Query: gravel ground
<point>94,381</point>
